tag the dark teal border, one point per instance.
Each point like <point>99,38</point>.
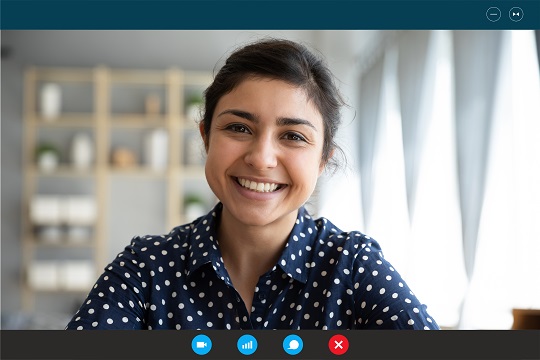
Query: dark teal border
<point>263,14</point>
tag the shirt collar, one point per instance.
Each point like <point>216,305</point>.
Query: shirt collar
<point>203,245</point>
<point>294,260</point>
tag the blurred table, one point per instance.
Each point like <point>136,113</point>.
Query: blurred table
<point>526,319</point>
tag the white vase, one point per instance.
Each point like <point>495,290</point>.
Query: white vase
<point>82,151</point>
<point>194,150</point>
<point>156,149</point>
<point>51,101</point>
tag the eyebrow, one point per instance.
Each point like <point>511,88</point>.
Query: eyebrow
<point>281,121</point>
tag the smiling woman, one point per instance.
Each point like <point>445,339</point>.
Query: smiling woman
<point>258,260</point>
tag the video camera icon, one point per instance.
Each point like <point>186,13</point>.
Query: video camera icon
<point>201,344</point>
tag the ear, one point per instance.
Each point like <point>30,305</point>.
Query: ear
<point>323,164</point>
<point>203,135</point>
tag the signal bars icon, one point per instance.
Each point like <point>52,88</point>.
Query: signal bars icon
<point>247,344</point>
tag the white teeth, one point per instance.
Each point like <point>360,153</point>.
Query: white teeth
<point>259,187</point>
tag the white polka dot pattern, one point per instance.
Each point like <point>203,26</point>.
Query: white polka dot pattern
<point>324,279</point>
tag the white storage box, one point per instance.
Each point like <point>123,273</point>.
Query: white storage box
<point>79,210</point>
<point>44,275</point>
<point>46,210</point>
<point>77,275</point>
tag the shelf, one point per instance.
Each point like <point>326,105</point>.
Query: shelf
<point>65,171</point>
<point>78,75</point>
<point>192,171</point>
<point>117,109</point>
<point>186,125</point>
<point>138,77</point>
<point>59,290</point>
<point>198,78</point>
<point>63,242</point>
<point>137,121</point>
<point>137,171</point>
<point>71,120</point>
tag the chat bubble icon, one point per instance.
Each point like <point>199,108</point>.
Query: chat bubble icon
<point>293,345</point>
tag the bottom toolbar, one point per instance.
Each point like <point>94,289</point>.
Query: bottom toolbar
<point>268,344</point>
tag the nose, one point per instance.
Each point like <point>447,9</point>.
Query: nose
<point>262,154</point>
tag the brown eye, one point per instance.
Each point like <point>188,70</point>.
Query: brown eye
<point>294,137</point>
<point>239,128</point>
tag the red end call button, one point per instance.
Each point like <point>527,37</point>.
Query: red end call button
<point>338,344</point>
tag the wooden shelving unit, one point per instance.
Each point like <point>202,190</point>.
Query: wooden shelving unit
<point>109,88</point>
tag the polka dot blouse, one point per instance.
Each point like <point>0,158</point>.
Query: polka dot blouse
<point>324,279</point>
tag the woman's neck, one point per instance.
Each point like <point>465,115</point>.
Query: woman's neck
<point>253,249</point>
<point>250,251</point>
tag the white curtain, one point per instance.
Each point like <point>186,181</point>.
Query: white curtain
<point>439,272</point>
<point>388,215</point>
<point>450,170</point>
<point>526,170</point>
<point>507,265</point>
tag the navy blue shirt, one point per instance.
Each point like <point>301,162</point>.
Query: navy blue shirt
<point>324,279</point>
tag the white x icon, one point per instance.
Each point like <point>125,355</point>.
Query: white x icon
<point>338,344</point>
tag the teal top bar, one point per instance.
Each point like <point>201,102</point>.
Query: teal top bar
<point>269,15</point>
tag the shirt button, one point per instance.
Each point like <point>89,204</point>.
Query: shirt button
<point>262,297</point>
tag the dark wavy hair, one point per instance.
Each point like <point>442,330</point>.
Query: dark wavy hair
<point>287,61</point>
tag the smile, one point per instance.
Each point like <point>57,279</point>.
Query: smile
<point>259,187</point>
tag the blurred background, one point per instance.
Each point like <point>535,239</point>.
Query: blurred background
<point>441,141</point>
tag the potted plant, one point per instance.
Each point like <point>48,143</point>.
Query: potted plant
<point>194,206</point>
<point>47,157</point>
<point>194,106</point>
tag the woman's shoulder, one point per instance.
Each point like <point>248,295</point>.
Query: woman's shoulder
<point>355,241</point>
<point>201,230</point>
<point>177,238</point>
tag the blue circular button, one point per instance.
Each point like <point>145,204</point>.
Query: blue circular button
<point>293,344</point>
<point>493,14</point>
<point>516,14</point>
<point>201,344</point>
<point>247,344</point>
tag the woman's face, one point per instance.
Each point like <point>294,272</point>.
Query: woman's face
<point>264,151</point>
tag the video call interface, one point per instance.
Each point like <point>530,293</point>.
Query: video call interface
<point>436,165</point>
